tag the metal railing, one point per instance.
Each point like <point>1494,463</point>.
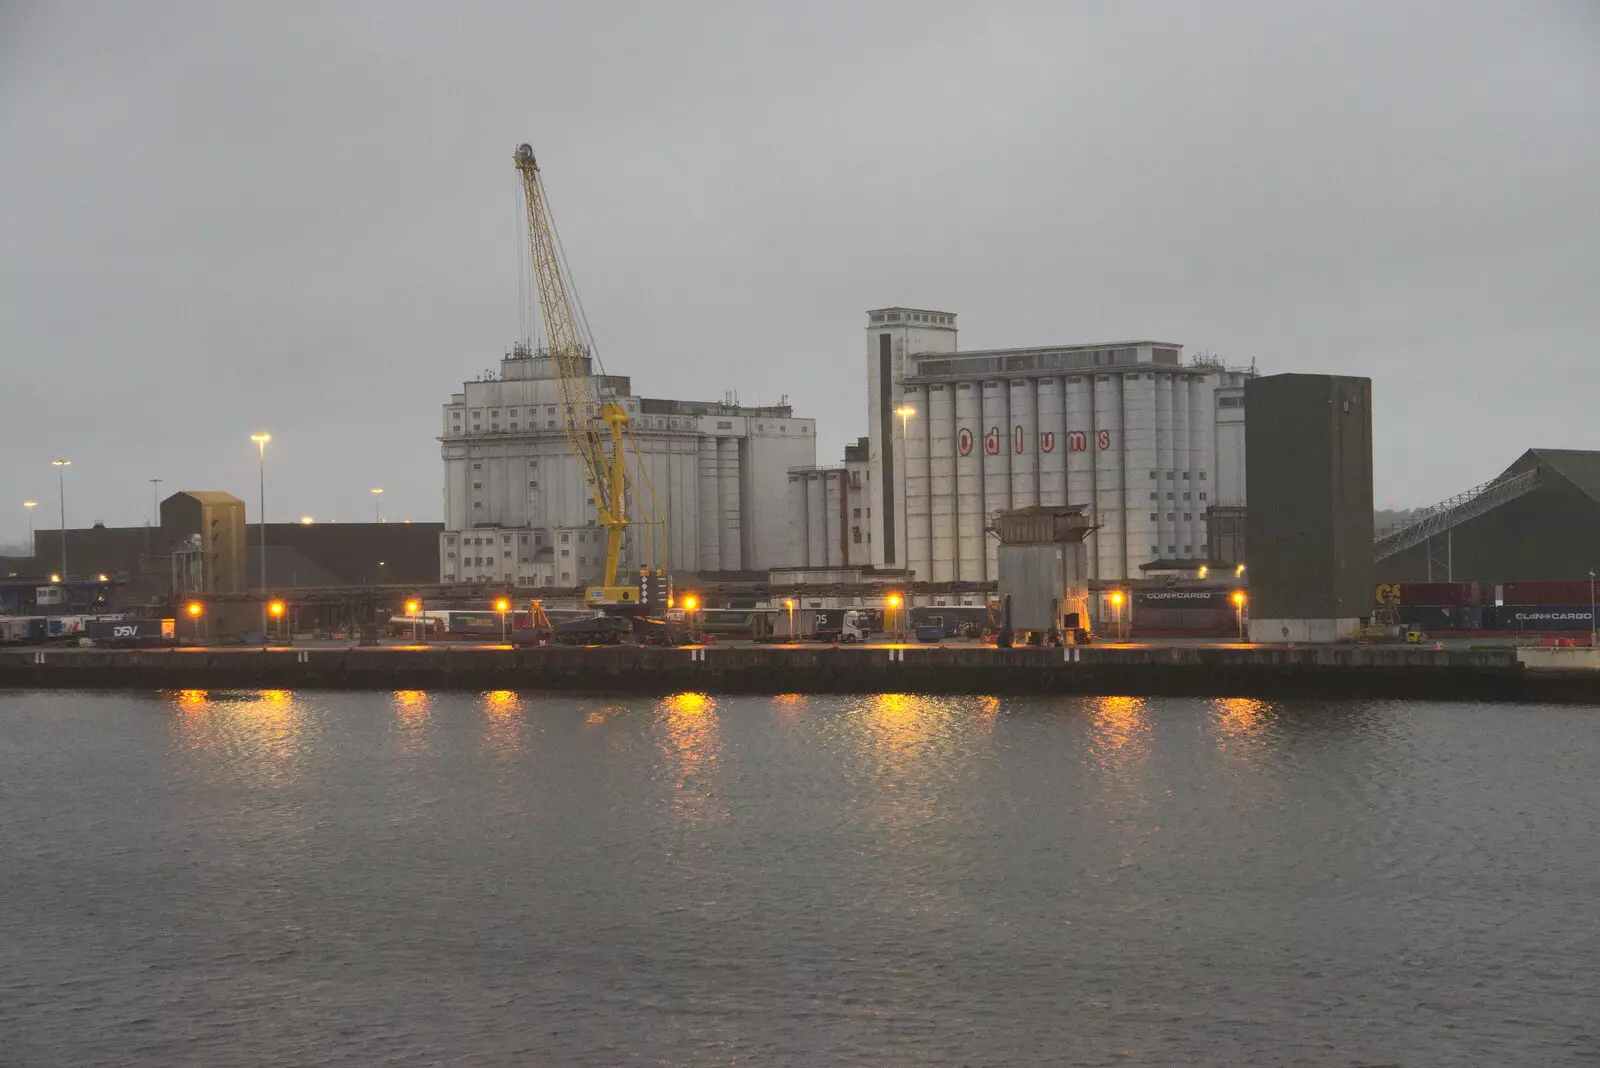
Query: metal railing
<point>1458,509</point>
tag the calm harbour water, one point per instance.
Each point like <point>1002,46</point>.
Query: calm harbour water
<point>413,879</point>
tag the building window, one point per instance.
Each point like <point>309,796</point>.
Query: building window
<point>477,485</point>
<point>1155,496</point>
<point>855,535</point>
<point>1202,476</point>
<point>522,539</point>
<point>1188,550</point>
<point>1153,516</point>
<point>494,413</point>
<point>533,483</point>
<point>1185,494</point>
<point>1186,476</point>
<point>1152,474</point>
<point>566,576</point>
<point>855,513</point>
<point>725,425</point>
<point>507,554</point>
<point>581,536</point>
<point>566,537</point>
<point>494,426</point>
<point>1172,474</point>
<point>513,426</point>
<point>449,556</point>
<point>1155,550</point>
<point>1169,495</point>
<point>477,467</point>
<point>477,504</point>
<point>1188,517</point>
<point>1202,495</point>
<point>1173,549</point>
<point>450,539</point>
<point>566,552</point>
<point>1172,517</point>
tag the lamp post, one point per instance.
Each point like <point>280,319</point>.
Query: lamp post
<point>689,605</point>
<point>1238,607</point>
<point>30,506</point>
<point>895,603</point>
<point>1116,607</point>
<point>414,610</point>
<point>275,609</point>
<point>788,604</point>
<point>61,478</point>
<point>502,606</point>
<point>377,504</point>
<point>261,440</point>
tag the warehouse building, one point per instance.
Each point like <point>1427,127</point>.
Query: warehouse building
<point>1538,520</point>
<point>1146,441</point>
<point>834,510</point>
<point>518,508</point>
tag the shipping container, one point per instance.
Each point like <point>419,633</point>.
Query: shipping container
<point>1433,594</point>
<point>1573,617</point>
<point>1168,599</point>
<point>1220,622</point>
<point>131,631</point>
<point>24,630</point>
<point>1431,617</point>
<point>1551,593</point>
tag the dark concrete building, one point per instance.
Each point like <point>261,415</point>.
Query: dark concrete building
<point>1308,468</point>
<point>1538,520</point>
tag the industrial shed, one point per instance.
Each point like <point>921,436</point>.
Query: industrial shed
<point>1539,519</point>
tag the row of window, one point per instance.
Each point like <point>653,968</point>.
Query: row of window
<point>1175,475</point>
<point>1172,517</point>
<point>1172,550</point>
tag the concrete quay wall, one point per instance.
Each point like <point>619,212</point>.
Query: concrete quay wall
<point>1306,671</point>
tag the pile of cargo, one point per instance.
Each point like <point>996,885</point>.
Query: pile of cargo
<point>1492,608</point>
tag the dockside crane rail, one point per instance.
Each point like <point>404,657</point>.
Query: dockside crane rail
<point>596,430</point>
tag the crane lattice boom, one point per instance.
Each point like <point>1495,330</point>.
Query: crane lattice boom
<point>594,430</point>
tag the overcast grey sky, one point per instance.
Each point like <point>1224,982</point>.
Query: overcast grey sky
<point>304,218</point>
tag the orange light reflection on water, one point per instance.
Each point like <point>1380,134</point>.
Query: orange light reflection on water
<point>504,711</point>
<point>1241,723</point>
<point>691,740</point>
<point>1121,731</point>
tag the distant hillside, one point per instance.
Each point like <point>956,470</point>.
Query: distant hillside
<point>1384,518</point>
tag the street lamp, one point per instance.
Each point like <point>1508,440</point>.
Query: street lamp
<point>275,609</point>
<point>61,477</point>
<point>414,610</point>
<point>1203,572</point>
<point>502,606</point>
<point>377,504</point>
<point>905,412</point>
<point>1238,572</point>
<point>261,440</point>
<point>788,602</point>
<point>690,603</point>
<point>1116,605</point>
<point>195,608</point>
<point>1238,607</point>
<point>30,506</point>
<point>895,602</point>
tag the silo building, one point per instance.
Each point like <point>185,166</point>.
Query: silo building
<point>1129,429</point>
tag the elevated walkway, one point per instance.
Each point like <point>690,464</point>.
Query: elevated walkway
<point>1457,510</point>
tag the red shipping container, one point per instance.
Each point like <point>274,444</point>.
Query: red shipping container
<point>1545,592</point>
<point>1439,594</point>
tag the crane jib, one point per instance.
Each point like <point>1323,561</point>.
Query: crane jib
<point>596,431</point>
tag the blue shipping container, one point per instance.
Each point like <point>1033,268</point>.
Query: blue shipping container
<point>1576,617</point>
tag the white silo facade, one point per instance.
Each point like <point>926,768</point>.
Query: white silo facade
<point>1127,429</point>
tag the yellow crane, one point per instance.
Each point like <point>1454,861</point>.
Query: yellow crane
<point>596,430</point>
